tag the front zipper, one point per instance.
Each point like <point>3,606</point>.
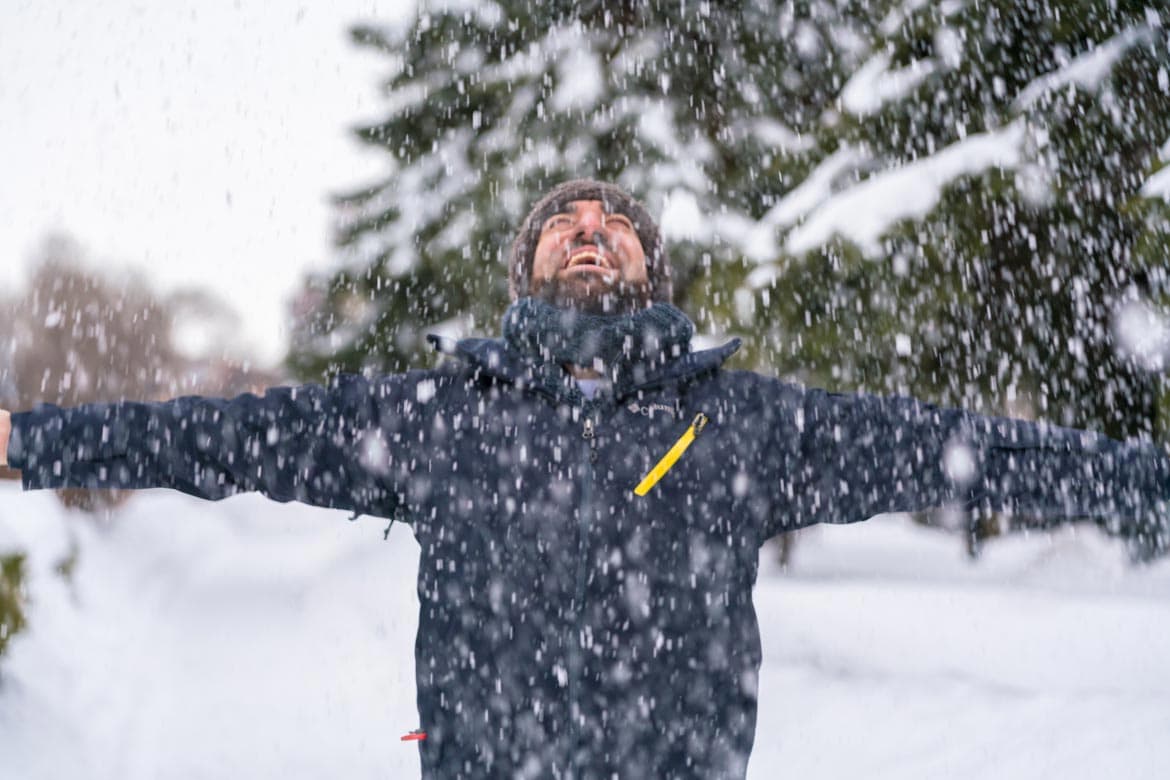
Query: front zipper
<point>585,508</point>
<point>672,455</point>
<point>587,434</point>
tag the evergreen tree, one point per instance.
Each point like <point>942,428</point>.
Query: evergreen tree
<point>1007,289</point>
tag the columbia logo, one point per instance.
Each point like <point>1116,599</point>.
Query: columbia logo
<point>650,409</point>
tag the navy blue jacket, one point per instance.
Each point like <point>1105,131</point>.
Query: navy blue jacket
<point>568,627</point>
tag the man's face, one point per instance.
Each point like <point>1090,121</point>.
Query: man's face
<point>591,260</point>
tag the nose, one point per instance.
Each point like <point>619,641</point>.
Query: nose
<point>591,223</point>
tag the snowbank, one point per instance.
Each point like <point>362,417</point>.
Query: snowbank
<point>252,639</point>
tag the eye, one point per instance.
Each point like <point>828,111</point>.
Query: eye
<point>619,220</point>
<point>557,222</point>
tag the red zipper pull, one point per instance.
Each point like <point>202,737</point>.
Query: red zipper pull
<point>414,736</point>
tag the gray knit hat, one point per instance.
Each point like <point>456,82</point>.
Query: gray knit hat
<point>616,200</point>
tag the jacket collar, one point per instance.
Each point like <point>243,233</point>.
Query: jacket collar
<point>493,357</point>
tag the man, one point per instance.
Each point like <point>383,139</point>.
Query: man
<point>589,495</point>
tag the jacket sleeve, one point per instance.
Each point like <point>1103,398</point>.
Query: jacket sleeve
<point>861,455</point>
<point>330,447</point>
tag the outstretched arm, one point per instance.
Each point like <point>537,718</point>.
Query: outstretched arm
<point>863,455</point>
<point>324,446</point>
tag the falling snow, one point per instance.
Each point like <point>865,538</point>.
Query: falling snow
<point>953,217</point>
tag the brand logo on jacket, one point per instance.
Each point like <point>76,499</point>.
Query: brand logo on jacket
<point>649,410</point>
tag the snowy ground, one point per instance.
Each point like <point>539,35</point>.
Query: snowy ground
<point>252,639</point>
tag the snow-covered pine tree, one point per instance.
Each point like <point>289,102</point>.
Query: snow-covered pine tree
<point>707,110</point>
<point>981,219</point>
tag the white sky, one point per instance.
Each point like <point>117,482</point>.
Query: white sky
<point>196,140</point>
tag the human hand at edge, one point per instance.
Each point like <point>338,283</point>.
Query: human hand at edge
<point>5,429</point>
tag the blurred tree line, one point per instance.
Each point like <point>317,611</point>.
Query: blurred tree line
<point>994,282</point>
<point>76,335</point>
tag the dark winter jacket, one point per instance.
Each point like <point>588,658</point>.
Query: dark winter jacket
<point>569,627</point>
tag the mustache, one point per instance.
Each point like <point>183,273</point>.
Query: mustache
<point>597,240</point>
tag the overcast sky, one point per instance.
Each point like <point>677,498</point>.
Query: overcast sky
<point>198,140</point>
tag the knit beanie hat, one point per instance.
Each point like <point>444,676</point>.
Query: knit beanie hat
<point>617,201</point>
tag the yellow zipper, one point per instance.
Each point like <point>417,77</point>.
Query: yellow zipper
<point>672,455</point>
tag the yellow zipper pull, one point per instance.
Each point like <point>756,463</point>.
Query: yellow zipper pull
<point>672,455</point>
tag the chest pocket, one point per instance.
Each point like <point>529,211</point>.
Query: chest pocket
<point>690,503</point>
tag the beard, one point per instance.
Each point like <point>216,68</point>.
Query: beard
<point>590,294</point>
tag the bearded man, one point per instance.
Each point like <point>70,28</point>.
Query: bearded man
<point>590,494</point>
